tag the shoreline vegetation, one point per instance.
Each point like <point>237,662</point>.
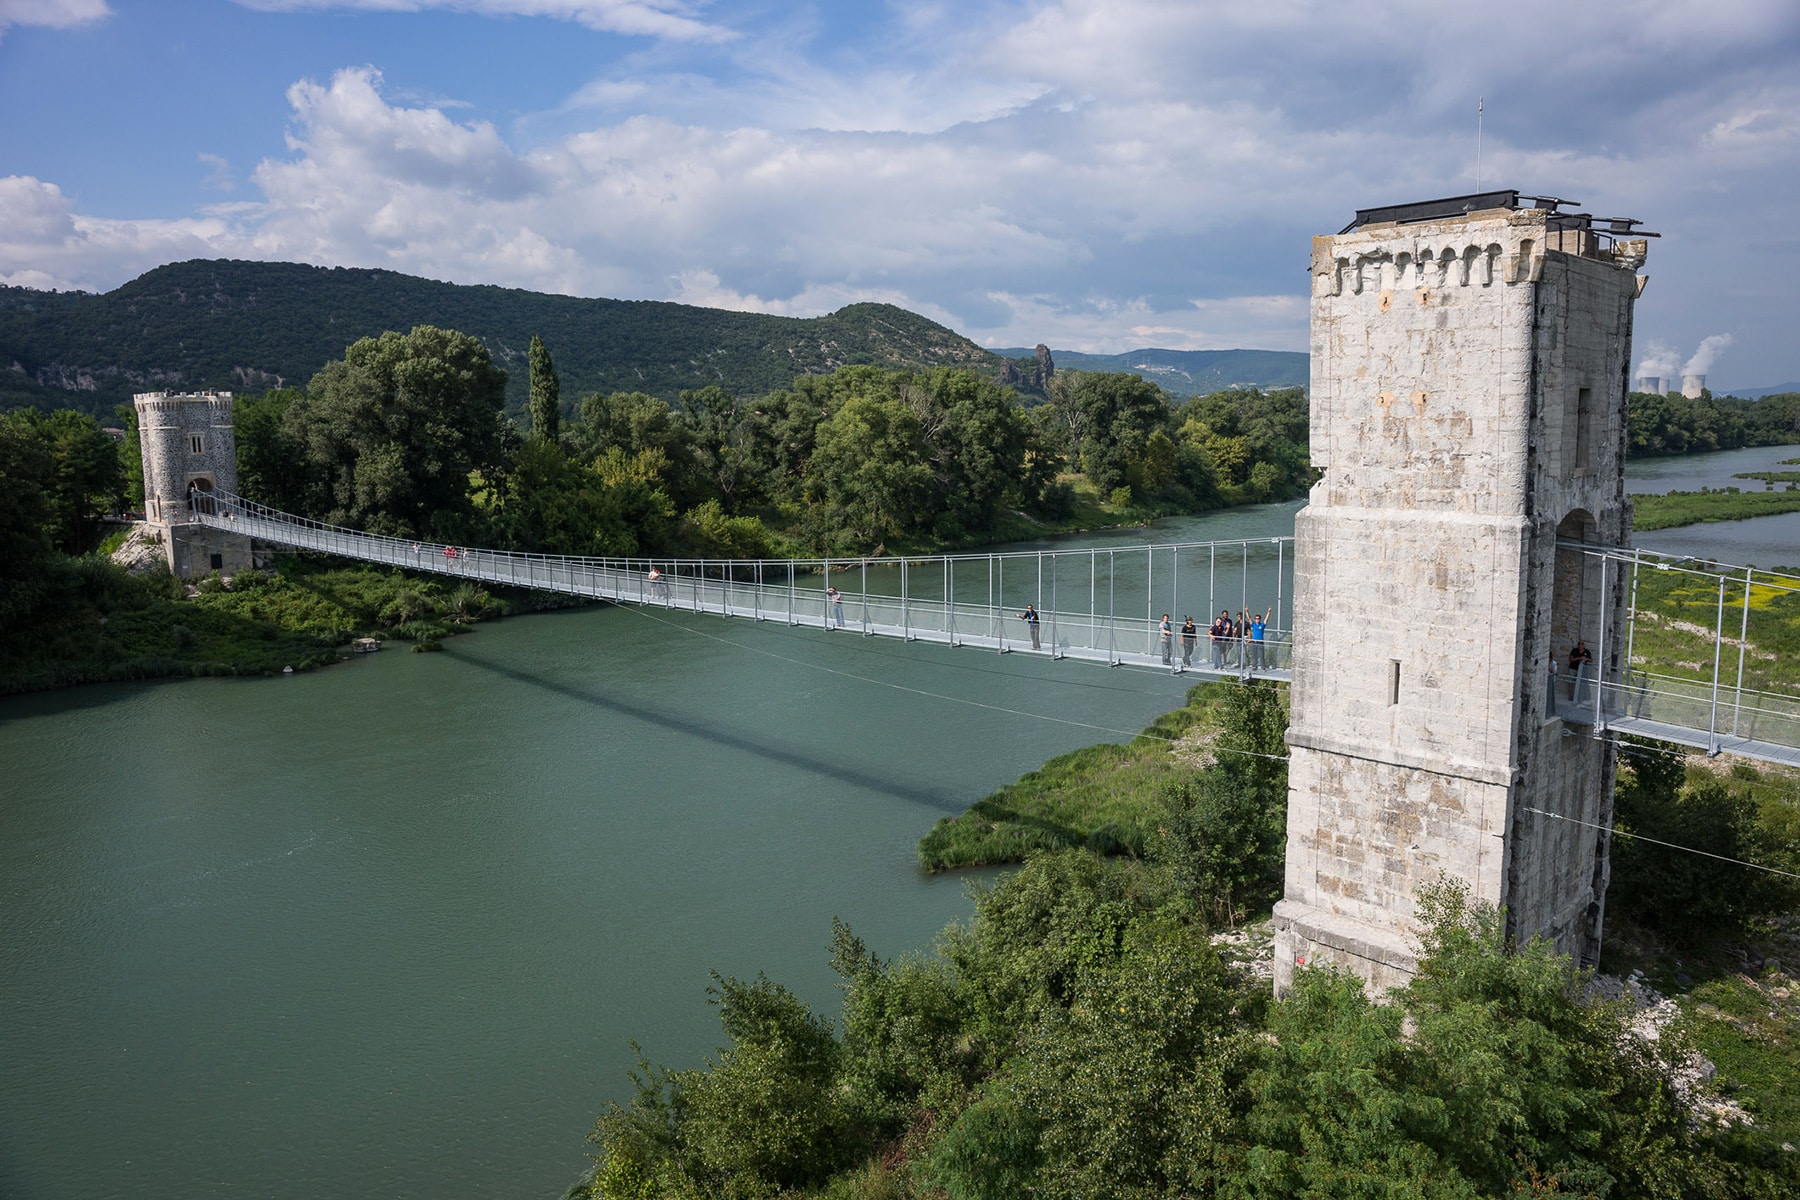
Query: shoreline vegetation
<point>1672,510</point>
<point>1094,1029</point>
<point>100,623</point>
<point>1092,797</point>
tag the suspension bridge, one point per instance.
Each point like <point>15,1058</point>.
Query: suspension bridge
<point>1106,605</point>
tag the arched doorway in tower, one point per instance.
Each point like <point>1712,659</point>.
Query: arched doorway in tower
<point>203,501</point>
<point>1575,610</point>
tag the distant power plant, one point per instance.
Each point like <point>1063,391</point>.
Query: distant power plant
<point>1661,367</point>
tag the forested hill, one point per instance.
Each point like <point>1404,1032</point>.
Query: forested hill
<point>1192,372</point>
<point>248,326</point>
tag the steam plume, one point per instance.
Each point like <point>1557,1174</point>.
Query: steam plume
<point>1659,361</point>
<point>1703,358</point>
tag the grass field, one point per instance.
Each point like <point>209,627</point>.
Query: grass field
<point>1103,797</point>
<point>1677,610</point>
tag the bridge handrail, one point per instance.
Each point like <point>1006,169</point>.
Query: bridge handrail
<point>1705,687</point>
<point>221,499</point>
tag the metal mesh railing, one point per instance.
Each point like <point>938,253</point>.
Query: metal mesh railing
<point>956,599</point>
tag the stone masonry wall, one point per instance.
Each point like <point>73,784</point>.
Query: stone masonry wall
<point>187,437</point>
<point>1448,417</point>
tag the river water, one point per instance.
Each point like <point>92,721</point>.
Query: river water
<point>387,930</point>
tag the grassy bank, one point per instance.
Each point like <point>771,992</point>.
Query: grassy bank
<point>1676,612</point>
<point>95,622</point>
<point>1692,508</point>
<point>1101,797</point>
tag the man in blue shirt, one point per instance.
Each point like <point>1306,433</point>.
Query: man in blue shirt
<point>1256,639</point>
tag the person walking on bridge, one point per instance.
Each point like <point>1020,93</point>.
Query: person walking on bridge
<point>837,605</point>
<point>1030,617</point>
<point>1167,633</point>
<point>1220,633</point>
<point>1188,636</point>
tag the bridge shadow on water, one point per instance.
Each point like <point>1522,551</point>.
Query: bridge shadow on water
<point>688,725</point>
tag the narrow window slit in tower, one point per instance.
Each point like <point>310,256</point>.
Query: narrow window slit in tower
<point>1584,420</point>
<point>1393,681</point>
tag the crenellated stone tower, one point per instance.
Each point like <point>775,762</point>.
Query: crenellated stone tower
<point>1469,370</point>
<point>187,443</point>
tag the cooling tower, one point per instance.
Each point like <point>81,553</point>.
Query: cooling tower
<point>1692,386</point>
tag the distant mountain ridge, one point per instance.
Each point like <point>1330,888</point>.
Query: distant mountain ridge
<point>248,326</point>
<point>1192,372</point>
<point>1758,393</point>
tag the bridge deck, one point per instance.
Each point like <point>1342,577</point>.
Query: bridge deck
<point>796,593</point>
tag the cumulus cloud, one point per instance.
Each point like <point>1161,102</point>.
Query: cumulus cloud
<point>1659,361</point>
<point>1097,174</point>
<point>648,18</point>
<point>44,243</point>
<point>55,14</point>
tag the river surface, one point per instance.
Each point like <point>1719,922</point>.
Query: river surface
<point>1767,542</point>
<point>388,929</point>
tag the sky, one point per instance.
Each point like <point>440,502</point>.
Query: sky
<point>1096,175</point>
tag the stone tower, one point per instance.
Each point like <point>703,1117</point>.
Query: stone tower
<point>1470,360</point>
<point>187,443</point>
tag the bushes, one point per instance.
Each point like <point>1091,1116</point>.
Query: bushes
<point>1694,899</point>
<point>1081,1037</point>
<point>96,621</point>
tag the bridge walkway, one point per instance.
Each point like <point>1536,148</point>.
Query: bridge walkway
<point>972,600</point>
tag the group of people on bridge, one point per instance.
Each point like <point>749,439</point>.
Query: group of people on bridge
<point>1239,642</point>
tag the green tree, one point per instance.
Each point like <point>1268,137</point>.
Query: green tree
<point>708,533</point>
<point>1133,1084</point>
<point>26,515</point>
<point>730,439</point>
<point>79,474</point>
<point>1690,898</point>
<point>980,446</point>
<point>392,434</point>
<point>765,1116</point>
<point>1490,1074</point>
<point>870,473</point>
<point>546,393</point>
<point>270,466</point>
<point>1221,836</point>
<point>1117,412</point>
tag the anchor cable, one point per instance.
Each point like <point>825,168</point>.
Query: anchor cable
<point>1616,832</point>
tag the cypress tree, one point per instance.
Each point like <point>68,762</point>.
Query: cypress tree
<point>546,408</point>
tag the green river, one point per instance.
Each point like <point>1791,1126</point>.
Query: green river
<point>388,929</point>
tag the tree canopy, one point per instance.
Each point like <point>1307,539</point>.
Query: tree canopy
<point>391,433</point>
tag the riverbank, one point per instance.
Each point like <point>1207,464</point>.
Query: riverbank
<point>96,622</point>
<point>1104,798</point>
